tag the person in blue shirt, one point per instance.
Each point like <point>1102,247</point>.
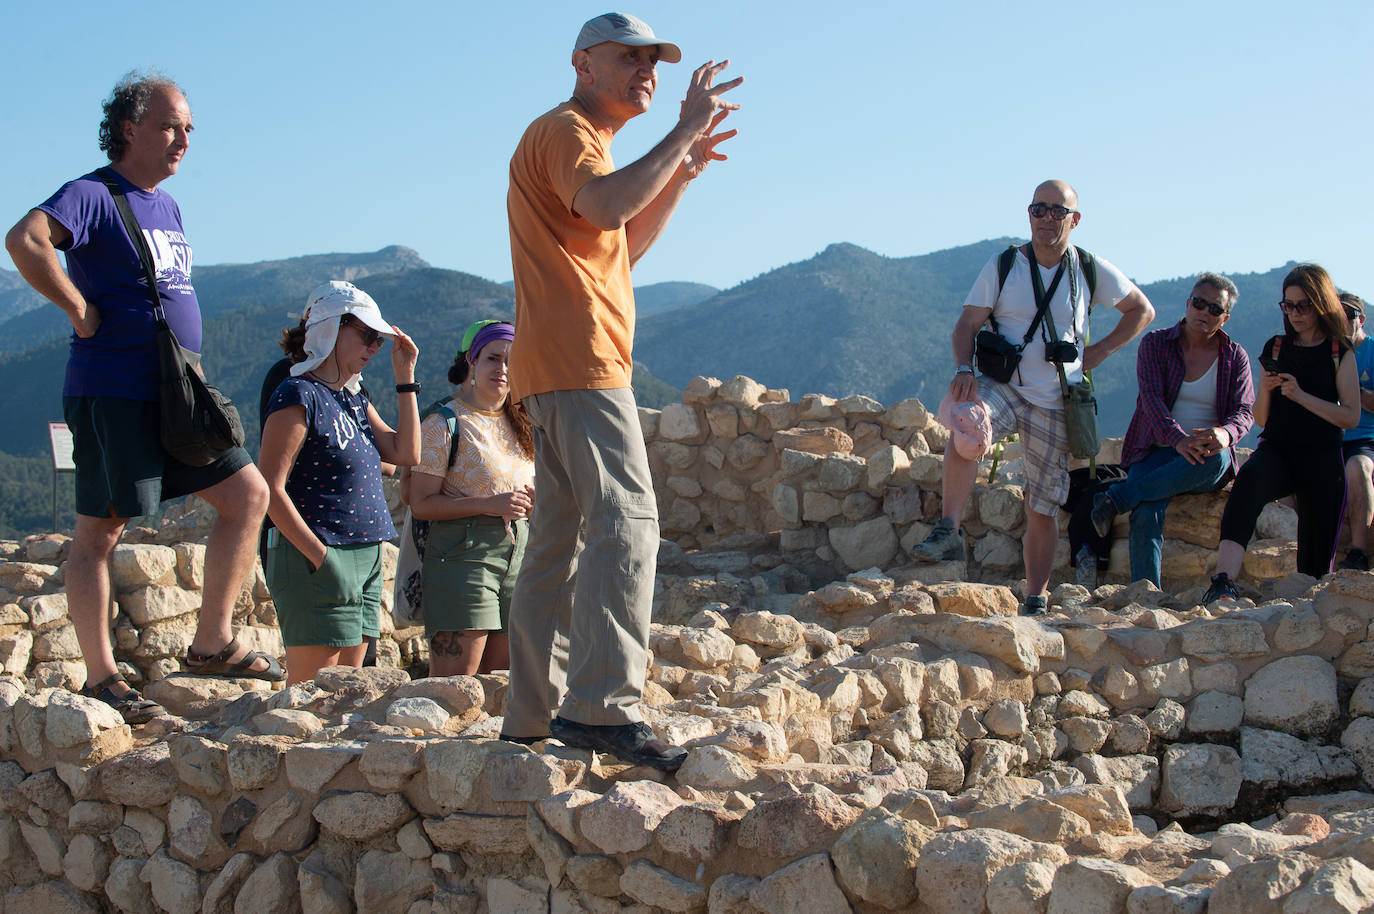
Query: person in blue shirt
<point>1358,447</point>
<point>323,445</point>
<point>110,395</point>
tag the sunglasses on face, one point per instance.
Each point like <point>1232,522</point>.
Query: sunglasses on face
<point>1056,212</point>
<point>370,336</point>
<point>1295,307</point>
<point>1203,304</point>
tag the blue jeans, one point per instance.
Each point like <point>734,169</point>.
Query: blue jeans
<point>1150,483</point>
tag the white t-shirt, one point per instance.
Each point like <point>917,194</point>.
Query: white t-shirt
<point>1196,405</point>
<point>1037,380</point>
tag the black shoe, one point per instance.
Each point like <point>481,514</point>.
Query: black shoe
<point>1223,588</point>
<point>522,740</point>
<point>1037,605</point>
<point>942,545</point>
<point>1103,513</point>
<point>1355,560</point>
<point>633,743</point>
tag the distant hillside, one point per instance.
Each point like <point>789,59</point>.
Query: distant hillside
<point>659,297</point>
<point>662,297</point>
<point>227,287</point>
<point>850,321</point>
<point>432,305</point>
<point>15,295</point>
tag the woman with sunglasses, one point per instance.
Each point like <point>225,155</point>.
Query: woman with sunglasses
<point>1308,395</point>
<point>322,449</point>
<point>474,483</point>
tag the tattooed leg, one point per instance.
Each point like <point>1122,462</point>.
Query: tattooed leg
<point>456,653</point>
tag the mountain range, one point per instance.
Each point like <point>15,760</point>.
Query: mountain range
<point>846,321</point>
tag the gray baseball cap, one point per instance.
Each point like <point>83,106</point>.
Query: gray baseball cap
<point>624,29</point>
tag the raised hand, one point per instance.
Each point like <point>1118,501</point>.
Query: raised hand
<point>404,354</point>
<point>703,110</point>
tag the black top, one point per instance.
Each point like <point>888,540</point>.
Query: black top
<point>1291,426</point>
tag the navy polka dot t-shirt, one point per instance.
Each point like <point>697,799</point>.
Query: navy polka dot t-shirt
<point>336,483</point>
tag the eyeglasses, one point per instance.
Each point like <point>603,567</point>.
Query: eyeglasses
<point>1295,307</point>
<point>370,336</point>
<point>1056,212</point>
<point>1203,304</point>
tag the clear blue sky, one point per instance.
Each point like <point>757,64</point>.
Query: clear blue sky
<point>1228,136</point>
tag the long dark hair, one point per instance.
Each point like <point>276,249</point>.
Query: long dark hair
<point>515,412</point>
<point>1316,284</point>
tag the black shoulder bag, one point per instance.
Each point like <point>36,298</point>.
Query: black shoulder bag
<point>198,422</point>
<point>996,356</point>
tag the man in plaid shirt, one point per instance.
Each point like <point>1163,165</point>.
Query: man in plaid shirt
<point>1194,405</point>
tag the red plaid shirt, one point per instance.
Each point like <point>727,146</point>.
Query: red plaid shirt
<point>1159,369</point>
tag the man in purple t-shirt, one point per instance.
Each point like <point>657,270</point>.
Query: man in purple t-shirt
<point>110,396</point>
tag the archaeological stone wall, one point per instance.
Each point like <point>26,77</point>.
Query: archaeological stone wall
<point>863,735</point>
<point>855,484</point>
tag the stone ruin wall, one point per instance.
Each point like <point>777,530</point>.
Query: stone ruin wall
<point>887,740</point>
<point>852,484</point>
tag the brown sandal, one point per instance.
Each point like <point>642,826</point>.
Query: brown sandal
<point>133,707</point>
<point>219,665</point>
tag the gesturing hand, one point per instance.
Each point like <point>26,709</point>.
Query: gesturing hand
<point>703,110</point>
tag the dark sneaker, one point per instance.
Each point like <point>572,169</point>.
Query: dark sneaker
<point>1035,606</point>
<point>1103,514</point>
<point>943,544</point>
<point>633,743</point>
<point>522,740</point>
<point>1223,588</point>
<point>1355,560</point>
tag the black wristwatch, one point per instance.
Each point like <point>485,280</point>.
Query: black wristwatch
<point>412,388</point>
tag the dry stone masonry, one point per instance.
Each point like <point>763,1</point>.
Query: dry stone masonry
<point>863,735</point>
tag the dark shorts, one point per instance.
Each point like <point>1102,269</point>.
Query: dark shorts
<point>334,606</point>
<point>1360,447</point>
<point>469,574</point>
<point>121,468</point>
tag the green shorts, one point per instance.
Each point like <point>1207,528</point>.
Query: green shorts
<point>469,573</point>
<point>121,468</point>
<point>335,606</point>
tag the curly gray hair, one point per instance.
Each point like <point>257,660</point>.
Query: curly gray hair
<point>129,102</point>
<point>1221,284</point>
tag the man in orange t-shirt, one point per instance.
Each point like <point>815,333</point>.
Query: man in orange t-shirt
<point>579,622</point>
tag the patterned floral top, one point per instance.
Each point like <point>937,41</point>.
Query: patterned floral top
<point>489,460</point>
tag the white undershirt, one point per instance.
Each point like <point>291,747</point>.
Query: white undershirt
<point>1196,406</point>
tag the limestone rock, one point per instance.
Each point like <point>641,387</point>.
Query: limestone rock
<point>957,867</point>
<point>361,816</point>
<point>875,858</point>
<point>1294,694</point>
<point>797,825</point>
<point>1092,884</point>
<point>652,885</point>
<point>1200,779</point>
<point>806,885</point>
<point>417,713</point>
<point>142,777</point>
<point>623,819</point>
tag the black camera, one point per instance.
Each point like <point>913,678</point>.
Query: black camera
<point>1061,352</point>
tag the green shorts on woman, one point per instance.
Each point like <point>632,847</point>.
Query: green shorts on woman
<point>469,573</point>
<point>334,606</point>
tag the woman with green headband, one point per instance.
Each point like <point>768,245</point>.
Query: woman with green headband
<point>475,487</point>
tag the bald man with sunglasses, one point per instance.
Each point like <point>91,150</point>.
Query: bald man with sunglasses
<point>1031,401</point>
<point>1195,398</point>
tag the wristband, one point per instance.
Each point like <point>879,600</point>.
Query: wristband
<point>962,369</point>
<point>412,388</point>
